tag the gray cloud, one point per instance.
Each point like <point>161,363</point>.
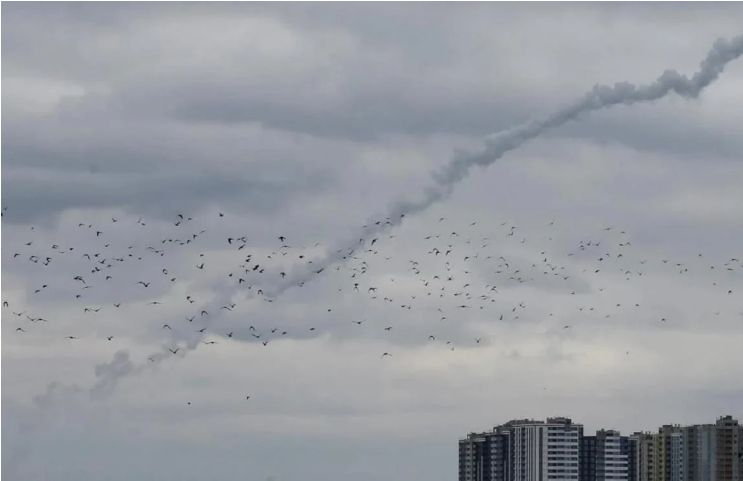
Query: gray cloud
<point>307,121</point>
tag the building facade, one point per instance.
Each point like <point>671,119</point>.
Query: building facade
<point>605,457</point>
<point>728,450</point>
<point>556,450</point>
<point>546,450</point>
<point>485,456</point>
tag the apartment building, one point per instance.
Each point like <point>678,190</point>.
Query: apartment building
<point>604,457</point>
<point>485,456</point>
<point>557,450</point>
<point>546,450</point>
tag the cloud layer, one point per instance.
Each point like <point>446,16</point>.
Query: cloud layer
<point>306,122</point>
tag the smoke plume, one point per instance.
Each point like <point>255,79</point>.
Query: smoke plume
<point>498,144</point>
<point>443,182</point>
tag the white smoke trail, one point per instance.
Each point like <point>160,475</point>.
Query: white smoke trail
<point>496,145</point>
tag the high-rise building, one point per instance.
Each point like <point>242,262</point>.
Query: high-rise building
<point>485,456</point>
<point>668,464</point>
<point>588,458</point>
<point>678,454</point>
<point>660,455</point>
<point>707,452</point>
<point>556,450</point>
<point>604,457</point>
<point>728,450</point>
<point>646,456</point>
<point>630,445</point>
<point>546,450</point>
<point>704,453</point>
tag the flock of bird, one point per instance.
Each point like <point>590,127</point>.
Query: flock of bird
<point>455,272</point>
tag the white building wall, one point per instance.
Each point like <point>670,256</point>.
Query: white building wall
<point>614,462</point>
<point>546,452</point>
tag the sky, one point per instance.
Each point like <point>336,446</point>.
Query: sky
<point>599,264</point>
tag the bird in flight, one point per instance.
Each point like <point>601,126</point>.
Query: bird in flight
<point>446,281</point>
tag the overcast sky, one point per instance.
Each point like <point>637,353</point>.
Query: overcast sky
<point>307,122</point>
